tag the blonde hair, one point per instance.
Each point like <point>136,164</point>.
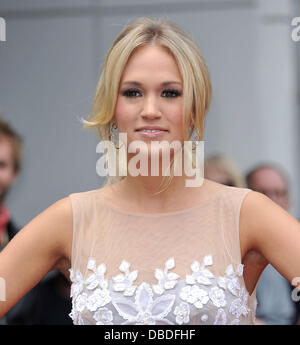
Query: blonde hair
<point>160,32</point>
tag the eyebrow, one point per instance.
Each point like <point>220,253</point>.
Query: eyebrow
<point>139,84</point>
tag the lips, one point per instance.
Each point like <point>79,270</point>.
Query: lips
<point>155,133</point>
<point>151,128</point>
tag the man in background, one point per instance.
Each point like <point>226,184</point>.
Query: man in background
<point>275,304</point>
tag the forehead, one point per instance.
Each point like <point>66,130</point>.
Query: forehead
<point>149,62</point>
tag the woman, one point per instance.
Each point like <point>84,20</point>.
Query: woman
<point>142,254</point>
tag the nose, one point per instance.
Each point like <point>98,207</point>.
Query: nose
<point>150,108</point>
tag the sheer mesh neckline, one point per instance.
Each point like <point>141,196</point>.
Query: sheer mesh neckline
<point>158,214</point>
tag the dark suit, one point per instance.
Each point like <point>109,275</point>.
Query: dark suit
<point>11,229</point>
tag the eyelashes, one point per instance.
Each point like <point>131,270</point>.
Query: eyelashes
<point>131,93</point>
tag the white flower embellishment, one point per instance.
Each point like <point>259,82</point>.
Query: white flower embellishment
<point>239,306</point>
<point>217,296</point>
<point>81,302</point>
<point>219,299</point>
<point>166,280</point>
<point>96,278</point>
<point>231,279</point>
<point>221,318</point>
<point>145,310</point>
<point>95,281</point>
<point>201,274</point>
<point>182,312</point>
<point>124,282</point>
<point>103,316</point>
<point>97,299</point>
<point>77,283</point>
<point>194,295</point>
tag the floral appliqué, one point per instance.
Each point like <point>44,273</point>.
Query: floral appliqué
<point>201,295</point>
<point>124,282</point>
<point>166,280</point>
<point>95,283</point>
<point>222,300</point>
<point>182,312</point>
<point>145,310</point>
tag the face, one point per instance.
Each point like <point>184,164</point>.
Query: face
<point>150,94</point>
<point>7,173</point>
<point>270,183</point>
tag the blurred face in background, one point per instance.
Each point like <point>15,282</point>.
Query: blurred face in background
<point>211,172</point>
<point>7,170</point>
<point>269,182</point>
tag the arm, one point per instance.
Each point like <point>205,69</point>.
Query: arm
<point>35,251</point>
<point>273,232</point>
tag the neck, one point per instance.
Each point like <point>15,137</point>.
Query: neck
<point>155,192</point>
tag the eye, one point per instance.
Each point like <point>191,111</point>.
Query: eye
<point>172,93</point>
<point>130,93</point>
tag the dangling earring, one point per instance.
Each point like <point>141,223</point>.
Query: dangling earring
<point>121,153</point>
<point>113,137</point>
<point>192,132</point>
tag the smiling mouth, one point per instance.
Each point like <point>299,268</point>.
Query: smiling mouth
<point>151,130</point>
<point>151,133</point>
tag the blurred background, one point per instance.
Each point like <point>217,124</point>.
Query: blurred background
<point>50,64</point>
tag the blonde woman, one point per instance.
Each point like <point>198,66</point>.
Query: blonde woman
<point>141,251</point>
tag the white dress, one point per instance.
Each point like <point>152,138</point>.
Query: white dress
<point>176,268</point>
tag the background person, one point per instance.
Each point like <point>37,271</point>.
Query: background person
<point>10,166</point>
<point>49,301</point>
<point>220,168</point>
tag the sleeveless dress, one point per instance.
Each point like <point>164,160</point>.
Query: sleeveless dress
<point>176,268</point>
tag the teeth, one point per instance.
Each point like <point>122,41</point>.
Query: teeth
<point>150,130</point>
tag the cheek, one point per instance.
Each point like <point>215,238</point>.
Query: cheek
<point>123,112</point>
<point>174,117</point>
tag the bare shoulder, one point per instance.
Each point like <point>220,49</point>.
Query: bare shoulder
<point>258,212</point>
<point>268,229</point>
<point>54,227</point>
<point>54,222</point>
<point>251,206</point>
<point>59,217</point>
